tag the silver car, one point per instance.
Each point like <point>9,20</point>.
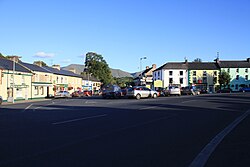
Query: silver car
<point>173,90</point>
<point>62,94</point>
<point>141,92</point>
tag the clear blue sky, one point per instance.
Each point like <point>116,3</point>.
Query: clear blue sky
<point>123,31</point>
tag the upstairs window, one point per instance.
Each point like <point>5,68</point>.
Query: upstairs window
<point>237,77</point>
<point>215,73</point>
<point>181,73</point>
<point>246,77</point>
<point>246,70</point>
<point>237,69</point>
<point>204,73</point>
<point>194,73</point>
<point>228,70</point>
<point>170,73</point>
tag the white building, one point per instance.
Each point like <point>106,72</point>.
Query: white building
<point>171,74</point>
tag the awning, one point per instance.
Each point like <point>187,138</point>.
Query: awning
<point>41,84</point>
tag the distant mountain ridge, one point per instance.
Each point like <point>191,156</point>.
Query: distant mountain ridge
<point>117,73</point>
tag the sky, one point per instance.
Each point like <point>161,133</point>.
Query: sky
<point>124,31</point>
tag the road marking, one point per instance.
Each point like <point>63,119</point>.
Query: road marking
<point>78,119</point>
<point>27,107</point>
<point>151,107</point>
<point>203,156</point>
<point>188,101</point>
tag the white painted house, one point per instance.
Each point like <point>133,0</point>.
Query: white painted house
<point>173,73</point>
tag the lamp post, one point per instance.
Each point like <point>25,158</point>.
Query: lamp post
<point>142,58</point>
<point>13,83</point>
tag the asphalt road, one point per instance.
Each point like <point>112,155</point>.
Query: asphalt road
<point>181,131</point>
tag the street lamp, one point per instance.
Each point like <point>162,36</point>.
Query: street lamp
<point>142,58</point>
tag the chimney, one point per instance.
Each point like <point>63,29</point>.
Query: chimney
<point>56,66</point>
<point>248,60</point>
<point>154,66</point>
<point>72,70</point>
<point>38,63</point>
<point>147,67</point>
<point>14,58</point>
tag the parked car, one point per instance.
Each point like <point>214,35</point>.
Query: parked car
<point>62,94</point>
<point>111,91</point>
<point>247,89</point>
<point>77,94</point>
<point>173,90</point>
<point>1,100</point>
<point>225,90</point>
<point>87,93</point>
<point>141,92</point>
<point>190,90</point>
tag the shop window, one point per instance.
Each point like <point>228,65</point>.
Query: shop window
<point>204,80</point>
<point>236,86</point>
<point>194,80</point>
<point>181,80</point>
<point>246,77</point>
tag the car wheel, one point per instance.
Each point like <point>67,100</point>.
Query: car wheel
<point>138,96</point>
<point>154,95</point>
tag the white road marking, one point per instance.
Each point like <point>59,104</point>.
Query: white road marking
<point>151,107</point>
<point>203,156</point>
<point>27,107</point>
<point>188,101</point>
<point>78,119</point>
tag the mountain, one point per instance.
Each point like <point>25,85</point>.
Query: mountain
<point>117,73</point>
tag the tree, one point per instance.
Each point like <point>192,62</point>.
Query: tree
<point>124,81</point>
<point>98,67</point>
<point>197,60</point>
<point>224,79</point>
<point>1,56</point>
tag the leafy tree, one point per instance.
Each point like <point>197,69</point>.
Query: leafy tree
<point>224,79</point>
<point>197,60</point>
<point>98,67</point>
<point>124,82</point>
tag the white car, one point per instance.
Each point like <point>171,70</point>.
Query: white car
<point>62,94</point>
<point>173,90</point>
<point>141,92</point>
<point>1,100</point>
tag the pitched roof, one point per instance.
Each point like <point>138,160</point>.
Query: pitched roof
<point>8,65</point>
<point>61,72</point>
<point>34,67</point>
<point>173,65</point>
<point>203,66</point>
<point>91,78</point>
<point>234,64</point>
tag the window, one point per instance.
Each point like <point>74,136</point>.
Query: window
<point>23,79</point>
<point>237,69</point>
<point>204,73</point>
<point>36,90</point>
<point>236,86</point>
<point>194,73</point>
<point>228,70</point>
<point>170,80</point>
<point>204,80</point>
<point>246,70</point>
<point>170,73</point>
<point>42,90</point>
<point>181,73</point>
<point>181,80</point>
<point>61,79</point>
<point>194,80</point>
<point>215,73</point>
<point>158,73</point>
<point>237,77</point>
<point>246,77</point>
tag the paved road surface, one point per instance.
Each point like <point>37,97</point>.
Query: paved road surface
<point>91,132</point>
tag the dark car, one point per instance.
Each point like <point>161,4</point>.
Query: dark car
<point>1,100</point>
<point>111,91</point>
<point>77,94</point>
<point>225,90</point>
<point>247,89</point>
<point>190,90</point>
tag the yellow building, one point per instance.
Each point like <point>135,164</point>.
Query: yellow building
<point>17,86</point>
<point>203,75</point>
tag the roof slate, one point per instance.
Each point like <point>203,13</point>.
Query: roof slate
<point>203,66</point>
<point>8,65</point>
<point>61,72</point>
<point>34,67</point>
<point>234,64</point>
